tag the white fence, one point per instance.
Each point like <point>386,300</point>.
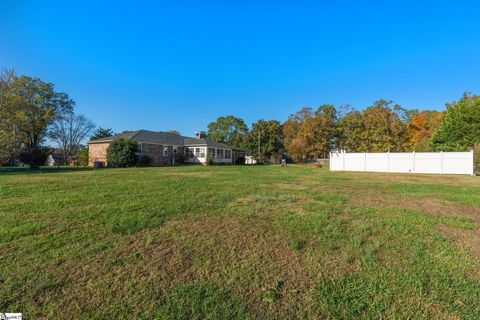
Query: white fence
<point>410,162</point>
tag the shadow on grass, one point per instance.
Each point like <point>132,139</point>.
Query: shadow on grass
<point>27,170</point>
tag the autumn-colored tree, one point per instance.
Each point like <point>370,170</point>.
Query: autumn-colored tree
<point>420,128</point>
<point>383,128</point>
<point>292,126</point>
<point>317,132</point>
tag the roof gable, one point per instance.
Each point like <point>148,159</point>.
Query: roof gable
<point>166,138</point>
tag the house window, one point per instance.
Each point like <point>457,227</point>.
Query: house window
<point>211,152</point>
<point>219,154</point>
<point>140,149</point>
<point>197,152</point>
<point>190,152</point>
<point>202,152</point>
<point>228,154</point>
<point>175,150</point>
<point>165,151</point>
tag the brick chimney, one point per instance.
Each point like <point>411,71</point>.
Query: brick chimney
<point>200,135</point>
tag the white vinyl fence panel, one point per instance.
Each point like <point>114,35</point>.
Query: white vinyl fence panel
<point>408,162</point>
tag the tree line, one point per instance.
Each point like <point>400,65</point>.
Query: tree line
<point>32,112</point>
<point>381,127</point>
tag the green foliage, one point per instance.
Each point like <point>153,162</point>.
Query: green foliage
<point>122,153</point>
<point>229,129</point>
<point>209,159</point>
<point>460,128</point>
<point>176,132</point>
<point>82,156</point>
<point>296,244</point>
<point>265,139</point>
<point>35,157</point>
<point>8,127</point>
<point>29,106</point>
<point>201,301</point>
<point>102,133</point>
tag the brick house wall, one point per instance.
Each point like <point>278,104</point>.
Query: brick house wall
<point>155,153</point>
<point>97,152</point>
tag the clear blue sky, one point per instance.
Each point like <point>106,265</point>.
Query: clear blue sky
<point>181,64</point>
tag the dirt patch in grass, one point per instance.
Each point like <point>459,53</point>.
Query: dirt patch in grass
<point>464,239</point>
<point>416,178</point>
<point>430,205</point>
<point>251,257</point>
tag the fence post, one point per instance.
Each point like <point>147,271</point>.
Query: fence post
<point>441,162</point>
<point>388,161</point>
<point>413,155</point>
<point>365,161</point>
<point>473,162</point>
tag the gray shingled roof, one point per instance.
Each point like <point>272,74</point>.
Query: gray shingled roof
<point>204,141</point>
<point>162,138</point>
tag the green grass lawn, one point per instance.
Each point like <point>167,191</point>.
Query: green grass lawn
<point>238,242</point>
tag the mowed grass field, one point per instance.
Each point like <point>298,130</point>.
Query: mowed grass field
<point>238,242</point>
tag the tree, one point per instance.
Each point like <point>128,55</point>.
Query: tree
<point>265,139</point>
<point>460,127</point>
<point>69,130</point>
<point>294,144</point>
<point>37,105</point>
<point>8,124</point>
<point>419,130</point>
<point>309,134</point>
<point>350,130</point>
<point>383,128</point>
<point>122,153</point>
<point>318,132</point>
<point>229,129</point>
<point>82,156</point>
<point>176,132</point>
<point>102,133</point>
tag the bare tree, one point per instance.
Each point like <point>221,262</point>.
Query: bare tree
<point>69,131</point>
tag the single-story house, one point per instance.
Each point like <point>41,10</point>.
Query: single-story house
<point>164,148</point>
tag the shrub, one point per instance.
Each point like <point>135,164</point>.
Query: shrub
<point>240,160</point>
<point>36,157</point>
<point>209,159</point>
<point>122,153</point>
<point>82,157</point>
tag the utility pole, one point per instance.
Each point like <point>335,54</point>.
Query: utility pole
<point>258,155</point>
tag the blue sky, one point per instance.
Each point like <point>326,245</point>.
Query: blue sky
<point>180,64</point>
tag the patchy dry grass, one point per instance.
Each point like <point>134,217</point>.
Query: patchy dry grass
<point>239,243</point>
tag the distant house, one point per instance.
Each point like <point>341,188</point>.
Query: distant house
<point>165,148</point>
<point>55,159</point>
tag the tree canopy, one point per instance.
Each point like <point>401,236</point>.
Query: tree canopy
<point>265,139</point>
<point>102,133</point>
<point>229,129</point>
<point>460,127</point>
<point>29,106</point>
